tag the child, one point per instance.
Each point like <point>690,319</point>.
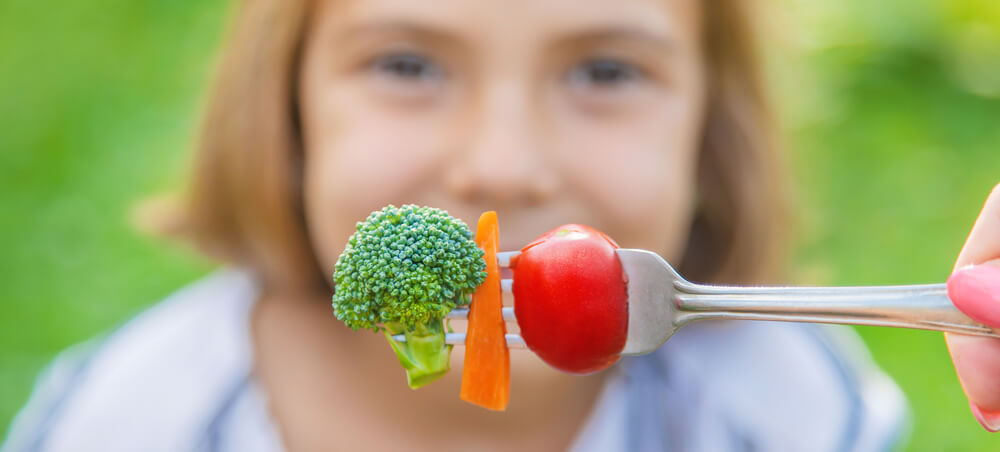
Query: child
<point>642,118</point>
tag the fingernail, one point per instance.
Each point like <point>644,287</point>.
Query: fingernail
<point>990,420</point>
<point>976,292</point>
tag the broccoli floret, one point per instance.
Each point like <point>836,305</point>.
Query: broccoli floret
<point>402,270</point>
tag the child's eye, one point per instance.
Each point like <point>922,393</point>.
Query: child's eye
<point>603,73</point>
<point>407,66</point>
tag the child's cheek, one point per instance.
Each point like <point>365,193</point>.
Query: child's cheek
<point>370,154</point>
<point>641,184</point>
<point>647,201</point>
<point>347,175</point>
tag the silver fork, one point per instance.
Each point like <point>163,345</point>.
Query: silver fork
<point>660,301</point>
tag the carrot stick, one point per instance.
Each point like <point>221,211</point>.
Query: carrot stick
<point>486,373</point>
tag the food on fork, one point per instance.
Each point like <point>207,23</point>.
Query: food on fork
<point>402,271</point>
<point>406,269</point>
<point>571,299</point>
<point>486,371</point>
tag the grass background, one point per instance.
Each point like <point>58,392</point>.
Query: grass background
<point>892,121</point>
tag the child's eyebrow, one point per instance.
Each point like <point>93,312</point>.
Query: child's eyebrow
<point>576,36</point>
<point>398,28</point>
<point>650,40</point>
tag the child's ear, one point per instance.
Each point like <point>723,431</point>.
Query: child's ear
<point>159,216</point>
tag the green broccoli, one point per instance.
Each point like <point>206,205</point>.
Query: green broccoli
<point>400,273</point>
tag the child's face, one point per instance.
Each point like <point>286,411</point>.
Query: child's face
<point>549,112</point>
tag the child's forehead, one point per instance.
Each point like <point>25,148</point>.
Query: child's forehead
<point>519,18</point>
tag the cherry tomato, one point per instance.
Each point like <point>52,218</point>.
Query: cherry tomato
<point>570,299</point>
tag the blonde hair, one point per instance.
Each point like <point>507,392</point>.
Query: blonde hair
<point>244,202</point>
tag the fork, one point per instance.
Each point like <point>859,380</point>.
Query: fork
<point>660,301</point>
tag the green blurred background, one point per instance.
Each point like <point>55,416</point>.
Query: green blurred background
<point>891,113</point>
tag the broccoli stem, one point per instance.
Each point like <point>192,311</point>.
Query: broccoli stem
<point>424,355</point>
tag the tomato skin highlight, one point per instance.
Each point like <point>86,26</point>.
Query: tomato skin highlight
<point>571,299</point>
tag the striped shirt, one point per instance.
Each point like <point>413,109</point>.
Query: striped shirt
<point>178,378</point>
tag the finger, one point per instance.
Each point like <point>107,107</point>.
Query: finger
<point>983,243</point>
<point>977,360</point>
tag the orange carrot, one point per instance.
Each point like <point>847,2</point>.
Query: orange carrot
<point>486,373</point>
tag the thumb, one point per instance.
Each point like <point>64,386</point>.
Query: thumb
<point>975,290</point>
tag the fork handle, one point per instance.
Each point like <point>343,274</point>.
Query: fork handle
<point>924,307</point>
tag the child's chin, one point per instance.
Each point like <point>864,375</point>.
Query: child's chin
<point>525,365</point>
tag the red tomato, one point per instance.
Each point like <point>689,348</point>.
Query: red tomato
<point>570,299</point>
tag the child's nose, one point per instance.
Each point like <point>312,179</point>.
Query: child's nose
<point>502,156</point>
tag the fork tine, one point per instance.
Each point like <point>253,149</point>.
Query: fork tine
<point>507,285</point>
<point>463,313</point>
<point>504,257</point>
<point>513,340</point>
